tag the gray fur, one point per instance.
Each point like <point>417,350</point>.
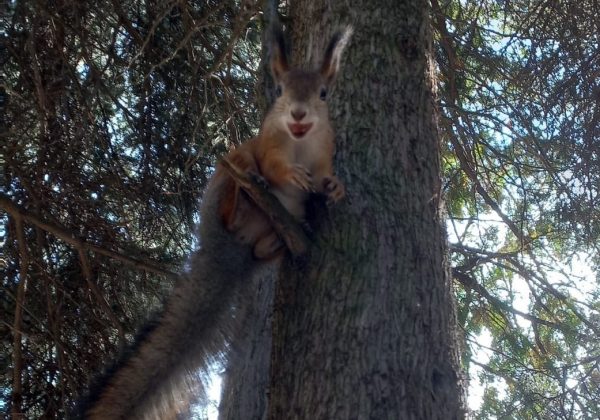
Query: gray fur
<point>200,318</point>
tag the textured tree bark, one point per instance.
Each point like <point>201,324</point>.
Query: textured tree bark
<point>367,329</point>
<point>246,380</point>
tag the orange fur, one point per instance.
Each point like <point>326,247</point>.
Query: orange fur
<point>293,151</point>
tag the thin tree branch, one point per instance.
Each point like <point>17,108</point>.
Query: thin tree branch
<point>17,388</point>
<point>468,282</point>
<point>284,223</point>
<point>60,232</point>
<point>87,273</point>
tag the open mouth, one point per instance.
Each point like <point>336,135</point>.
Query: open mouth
<point>299,130</point>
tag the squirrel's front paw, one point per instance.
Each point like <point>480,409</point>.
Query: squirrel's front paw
<point>334,189</point>
<point>259,179</point>
<point>301,178</point>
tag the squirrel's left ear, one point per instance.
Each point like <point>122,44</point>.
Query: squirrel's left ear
<point>279,60</point>
<point>333,54</point>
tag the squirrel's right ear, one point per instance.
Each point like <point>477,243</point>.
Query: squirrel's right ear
<point>279,61</point>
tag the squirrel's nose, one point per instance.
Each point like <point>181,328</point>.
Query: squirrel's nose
<point>298,114</point>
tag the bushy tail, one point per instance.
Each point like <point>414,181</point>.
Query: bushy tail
<point>200,318</point>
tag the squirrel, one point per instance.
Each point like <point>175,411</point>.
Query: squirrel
<point>293,152</point>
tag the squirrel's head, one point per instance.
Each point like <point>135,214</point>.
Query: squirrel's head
<point>300,105</point>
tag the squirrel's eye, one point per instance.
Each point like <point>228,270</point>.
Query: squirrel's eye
<point>323,94</point>
<point>278,91</point>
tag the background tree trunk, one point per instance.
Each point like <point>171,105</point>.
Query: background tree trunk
<point>246,381</point>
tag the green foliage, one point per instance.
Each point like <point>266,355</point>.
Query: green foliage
<point>519,122</point>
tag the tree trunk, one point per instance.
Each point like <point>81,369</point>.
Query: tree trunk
<point>366,329</point>
<point>246,380</point>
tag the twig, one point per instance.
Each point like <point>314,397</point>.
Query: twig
<point>87,273</point>
<point>17,388</point>
<point>469,282</point>
<point>284,223</point>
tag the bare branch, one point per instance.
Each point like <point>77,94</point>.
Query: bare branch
<point>69,237</point>
<point>17,388</point>
<point>283,222</point>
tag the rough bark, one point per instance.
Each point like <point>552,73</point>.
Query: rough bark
<point>246,380</point>
<point>367,331</point>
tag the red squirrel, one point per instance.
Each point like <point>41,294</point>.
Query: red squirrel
<point>293,151</point>
<point>204,315</point>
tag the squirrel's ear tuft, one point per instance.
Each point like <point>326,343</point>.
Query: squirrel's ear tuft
<point>279,61</point>
<point>333,54</point>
